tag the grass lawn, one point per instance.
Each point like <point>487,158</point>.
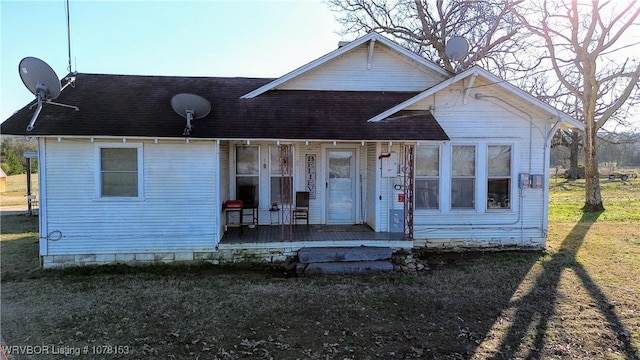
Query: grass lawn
<point>577,300</point>
<point>16,190</point>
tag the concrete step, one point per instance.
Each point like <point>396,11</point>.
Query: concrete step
<point>344,267</point>
<point>337,254</point>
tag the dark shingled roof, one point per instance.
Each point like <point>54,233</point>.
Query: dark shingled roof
<point>127,105</point>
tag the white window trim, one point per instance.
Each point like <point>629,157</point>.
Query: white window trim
<point>233,179</point>
<point>441,150</point>
<point>270,175</point>
<point>476,188</point>
<point>513,177</point>
<point>98,173</point>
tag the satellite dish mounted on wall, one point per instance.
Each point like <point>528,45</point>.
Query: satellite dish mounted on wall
<point>43,82</point>
<point>190,106</point>
<point>457,48</point>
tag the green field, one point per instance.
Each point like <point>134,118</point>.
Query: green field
<point>16,190</point>
<point>579,299</point>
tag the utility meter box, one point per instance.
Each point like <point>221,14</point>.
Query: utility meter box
<point>524,180</point>
<point>537,181</point>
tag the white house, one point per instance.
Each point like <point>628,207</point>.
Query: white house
<point>372,133</point>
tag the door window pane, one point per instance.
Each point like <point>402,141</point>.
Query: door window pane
<point>247,174</point>
<point>247,160</point>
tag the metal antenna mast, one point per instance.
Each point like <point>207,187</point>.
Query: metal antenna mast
<point>68,37</point>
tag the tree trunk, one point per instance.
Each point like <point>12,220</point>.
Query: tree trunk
<point>574,150</point>
<point>593,198</point>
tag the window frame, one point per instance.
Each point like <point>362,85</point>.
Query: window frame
<point>473,178</point>
<point>257,175</point>
<point>98,171</point>
<point>437,178</point>
<point>510,178</point>
<point>273,175</point>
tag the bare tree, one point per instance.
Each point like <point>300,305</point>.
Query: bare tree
<point>490,27</point>
<point>585,44</point>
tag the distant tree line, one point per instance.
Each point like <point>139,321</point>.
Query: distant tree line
<point>614,150</point>
<point>12,157</point>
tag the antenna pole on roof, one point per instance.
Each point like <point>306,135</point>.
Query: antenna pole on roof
<point>68,37</point>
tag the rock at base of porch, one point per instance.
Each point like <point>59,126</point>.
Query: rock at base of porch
<point>344,267</point>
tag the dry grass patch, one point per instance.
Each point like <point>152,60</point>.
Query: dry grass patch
<point>577,300</point>
<point>16,190</point>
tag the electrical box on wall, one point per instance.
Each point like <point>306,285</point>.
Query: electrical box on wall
<point>536,181</point>
<point>523,180</point>
<point>389,164</point>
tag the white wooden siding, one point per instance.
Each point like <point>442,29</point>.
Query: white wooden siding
<point>177,212</point>
<point>483,122</point>
<point>389,72</point>
<point>361,186</point>
<point>371,193</point>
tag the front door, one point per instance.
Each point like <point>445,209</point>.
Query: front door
<point>341,186</point>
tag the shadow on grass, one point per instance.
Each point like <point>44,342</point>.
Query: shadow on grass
<point>18,224</point>
<point>20,258</point>
<point>537,307</point>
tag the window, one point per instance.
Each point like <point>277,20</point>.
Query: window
<point>427,177</point>
<point>120,171</point>
<point>247,173</point>
<point>499,176</point>
<point>463,174</point>
<point>280,174</point>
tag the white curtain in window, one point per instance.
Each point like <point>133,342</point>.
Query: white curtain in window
<point>499,160</point>
<point>463,159</point>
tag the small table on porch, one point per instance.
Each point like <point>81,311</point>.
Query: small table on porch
<point>232,207</point>
<point>274,212</point>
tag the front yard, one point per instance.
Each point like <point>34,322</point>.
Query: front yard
<point>576,300</point>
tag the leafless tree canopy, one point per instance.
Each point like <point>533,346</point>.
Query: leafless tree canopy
<point>572,54</point>
<point>491,28</point>
<point>588,52</point>
<point>590,59</point>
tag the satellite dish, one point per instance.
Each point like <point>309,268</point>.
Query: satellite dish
<point>457,48</point>
<point>42,81</point>
<point>38,76</point>
<point>190,106</point>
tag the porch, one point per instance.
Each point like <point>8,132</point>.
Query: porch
<point>317,235</point>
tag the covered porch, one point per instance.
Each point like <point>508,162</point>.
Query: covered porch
<point>314,233</point>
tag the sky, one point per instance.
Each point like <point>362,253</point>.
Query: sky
<point>258,38</point>
<point>265,38</point>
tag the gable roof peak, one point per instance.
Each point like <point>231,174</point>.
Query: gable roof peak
<point>346,47</point>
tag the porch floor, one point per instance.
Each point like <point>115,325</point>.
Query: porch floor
<point>300,233</point>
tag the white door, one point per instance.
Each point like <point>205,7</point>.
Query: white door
<point>341,186</point>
